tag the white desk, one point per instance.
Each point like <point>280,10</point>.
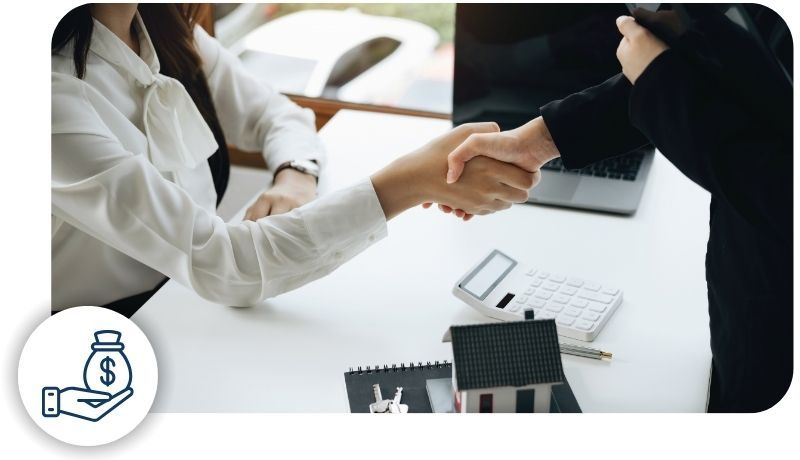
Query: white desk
<point>392,303</point>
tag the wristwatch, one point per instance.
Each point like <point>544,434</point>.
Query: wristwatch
<point>309,167</point>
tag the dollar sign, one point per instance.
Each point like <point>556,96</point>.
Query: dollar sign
<point>105,365</point>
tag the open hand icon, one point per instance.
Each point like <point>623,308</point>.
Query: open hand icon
<point>80,402</point>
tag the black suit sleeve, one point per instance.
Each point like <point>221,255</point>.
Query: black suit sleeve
<point>593,124</point>
<point>699,128</point>
<point>715,142</point>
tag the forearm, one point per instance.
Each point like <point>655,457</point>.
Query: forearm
<point>230,263</point>
<point>293,177</point>
<point>253,115</point>
<point>593,124</point>
<point>395,188</point>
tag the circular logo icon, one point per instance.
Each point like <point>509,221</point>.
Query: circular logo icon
<point>87,376</point>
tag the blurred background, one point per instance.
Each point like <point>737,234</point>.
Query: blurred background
<point>382,54</point>
<point>376,57</point>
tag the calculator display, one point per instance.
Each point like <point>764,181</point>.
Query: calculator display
<point>489,273</point>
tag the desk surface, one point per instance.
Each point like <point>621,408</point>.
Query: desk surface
<point>392,303</point>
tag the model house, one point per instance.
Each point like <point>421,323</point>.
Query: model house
<point>505,367</point>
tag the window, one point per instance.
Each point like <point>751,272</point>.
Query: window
<point>385,54</point>
<point>525,399</point>
<point>485,405</point>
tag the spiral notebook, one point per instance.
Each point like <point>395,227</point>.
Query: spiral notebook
<point>415,379</point>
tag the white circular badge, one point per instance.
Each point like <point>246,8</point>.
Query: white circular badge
<point>87,376</point>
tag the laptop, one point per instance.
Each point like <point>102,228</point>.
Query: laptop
<point>505,69</point>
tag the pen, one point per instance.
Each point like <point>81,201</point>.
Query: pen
<point>585,352</point>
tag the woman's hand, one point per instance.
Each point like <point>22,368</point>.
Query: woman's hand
<point>486,185</point>
<point>637,49</point>
<point>528,147</point>
<point>291,189</point>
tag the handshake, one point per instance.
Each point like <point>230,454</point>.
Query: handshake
<point>475,169</point>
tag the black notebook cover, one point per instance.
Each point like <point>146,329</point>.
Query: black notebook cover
<point>413,379</point>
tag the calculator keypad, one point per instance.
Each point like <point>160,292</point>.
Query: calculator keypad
<point>579,307</point>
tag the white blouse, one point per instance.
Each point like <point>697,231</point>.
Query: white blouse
<point>133,199</point>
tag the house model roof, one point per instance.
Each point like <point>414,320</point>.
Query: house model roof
<point>516,354</point>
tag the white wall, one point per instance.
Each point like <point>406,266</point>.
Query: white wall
<point>541,400</point>
<point>505,399</point>
<point>471,401</point>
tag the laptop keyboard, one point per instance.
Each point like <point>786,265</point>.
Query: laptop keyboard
<point>624,167</point>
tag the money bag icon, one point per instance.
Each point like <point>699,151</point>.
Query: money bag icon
<point>107,368</point>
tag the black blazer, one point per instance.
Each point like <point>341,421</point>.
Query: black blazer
<point>723,117</point>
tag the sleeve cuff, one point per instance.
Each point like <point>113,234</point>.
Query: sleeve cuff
<point>347,221</point>
<point>562,129</point>
<point>580,123</point>
<point>50,402</point>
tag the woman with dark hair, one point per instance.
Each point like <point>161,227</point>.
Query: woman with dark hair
<point>143,103</point>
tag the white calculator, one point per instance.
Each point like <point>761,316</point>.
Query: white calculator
<point>501,287</point>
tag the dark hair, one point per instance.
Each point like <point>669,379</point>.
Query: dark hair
<point>170,27</point>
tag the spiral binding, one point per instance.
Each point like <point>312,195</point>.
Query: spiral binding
<point>401,368</point>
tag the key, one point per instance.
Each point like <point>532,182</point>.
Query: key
<point>380,405</point>
<point>568,290</point>
<point>536,303</point>
<point>547,315</point>
<point>531,272</point>
<point>522,299</point>
<point>529,291</point>
<point>550,286</point>
<point>565,320</point>
<point>536,282</point>
<point>598,307</point>
<point>543,275</point>
<point>580,303</point>
<point>575,282</point>
<point>555,307</point>
<point>610,291</point>
<point>592,286</point>
<point>584,325</point>
<point>560,298</point>
<point>595,296</point>
<point>558,278</point>
<point>390,406</point>
<point>572,311</point>
<point>512,307</point>
<point>543,295</point>
<point>394,406</point>
<point>590,316</point>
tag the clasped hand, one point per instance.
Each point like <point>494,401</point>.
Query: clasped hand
<point>526,148</point>
<point>485,186</point>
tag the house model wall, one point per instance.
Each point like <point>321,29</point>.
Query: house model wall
<point>505,399</point>
<point>505,367</point>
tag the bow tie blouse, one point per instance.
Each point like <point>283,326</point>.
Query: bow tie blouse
<point>133,198</point>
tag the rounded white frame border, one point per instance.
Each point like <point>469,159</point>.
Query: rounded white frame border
<point>54,356</point>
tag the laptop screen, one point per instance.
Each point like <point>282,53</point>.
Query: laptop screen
<point>511,59</point>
